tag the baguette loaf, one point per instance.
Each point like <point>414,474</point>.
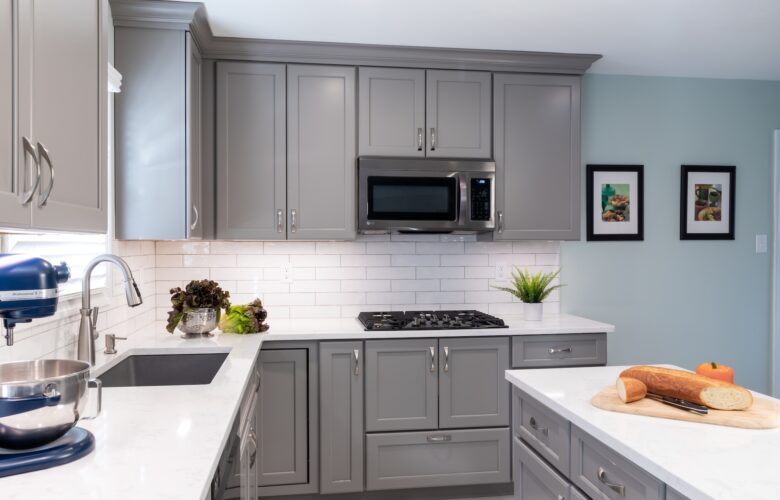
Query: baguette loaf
<point>691,387</point>
<point>630,389</point>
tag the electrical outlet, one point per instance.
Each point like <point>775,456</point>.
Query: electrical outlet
<point>503,272</point>
<point>287,273</point>
<point>761,243</point>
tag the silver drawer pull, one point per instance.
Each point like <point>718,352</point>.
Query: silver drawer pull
<point>279,221</point>
<point>446,359</point>
<point>29,149</point>
<point>196,218</point>
<point>558,350</point>
<point>419,139</point>
<point>356,354</point>
<point>293,222</point>
<point>433,359</point>
<point>617,488</point>
<point>433,139</point>
<point>439,438</point>
<point>537,427</point>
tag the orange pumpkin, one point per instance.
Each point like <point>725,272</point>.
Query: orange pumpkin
<point>716,371</point>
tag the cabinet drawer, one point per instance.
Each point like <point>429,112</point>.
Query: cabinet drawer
<point>534,479</point>
<point>447,458</point>
<point>543,430</point>
<point>594,467</point>
<point>546,351</point>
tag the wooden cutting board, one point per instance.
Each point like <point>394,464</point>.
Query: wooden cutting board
<point>764,414</point>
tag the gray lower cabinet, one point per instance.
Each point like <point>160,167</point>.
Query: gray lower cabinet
<point>283,418</point>
<point>401,385</point>
<point>534,478</point>
<point>251,165</point>
<point>603,474</point>
<point>548,433</point>
<point>548,351</point>
<point>536,137</point>
<point>458,108</point>
<point>158,135</point>
<point>439,458</point>
<point>341,417</point>
<point>321,152</point>
<point>472,389</point>
<point>391,112</point>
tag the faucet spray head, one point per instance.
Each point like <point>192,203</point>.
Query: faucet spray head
<point>132,293</point>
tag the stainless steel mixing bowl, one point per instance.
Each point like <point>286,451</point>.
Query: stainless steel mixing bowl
<point>41,400</point>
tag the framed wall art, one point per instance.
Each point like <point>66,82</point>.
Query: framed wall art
<point>614,199</point>
<point>707,202</point>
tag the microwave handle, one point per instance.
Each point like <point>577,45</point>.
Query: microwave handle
<point>461,213</point>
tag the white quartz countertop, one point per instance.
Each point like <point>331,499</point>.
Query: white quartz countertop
<point>700,461</point>
<point>165,442</point>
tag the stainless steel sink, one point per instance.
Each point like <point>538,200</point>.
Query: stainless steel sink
<point>164,369</point>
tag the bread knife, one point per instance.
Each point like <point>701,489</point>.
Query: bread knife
<point>679,403</point>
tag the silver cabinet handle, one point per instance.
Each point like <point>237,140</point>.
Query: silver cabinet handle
<point>433,138</point>
<point>561,497</point>
<point>537,427</point>
<point>433,359</point>
<point>29,149</point>
<point>617,488</point>
<point>356,354</point>
<point>197,218</point>
<point>446,359</point>
<point>279,221</point>
<point>44,154</point>
<point>438,438</point>
<point>253,456</point>
<point>558,350</point>
<point>500,222</point>
<point>419,139</point>
<point>293,215</point>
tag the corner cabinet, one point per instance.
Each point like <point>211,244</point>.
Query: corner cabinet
<point>157,127</point>
<point>53,174</point>
<point>321,152</point>
<point>419,113</point>
<point>536,137</point>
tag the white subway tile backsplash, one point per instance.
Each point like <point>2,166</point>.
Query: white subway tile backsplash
<point>315,260</point>
<point>390,298</point>
<point>489,247</point>
<point>208,261</point>
<point>304,312</point>
<point>262,260</point>
<point>439,298</point>
<point>341,273</point>
<point>402,273</point>
<point>390,247</point>
<point>548,259</point>
<point>480,272</point>
<point>464,284</point>
<point>369,285</point>
<point>288,247</point>
<point>258,288</point>
<point>414,260</point>
<point>342,298</point>
<point>488,296</point>
<point>519,259</point>
<point>232,273</point>
<point>341,247</point>
<point>439,248</point>
<point>415,285</point>
<point>365,260</point>
<point>465,260</point>
<point>237,247</point>
<point>182,273</point>
<point>316,286</point>
<point>178,247</point>
<point>439,272</point>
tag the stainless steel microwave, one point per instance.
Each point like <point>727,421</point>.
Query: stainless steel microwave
<point>417,195</point>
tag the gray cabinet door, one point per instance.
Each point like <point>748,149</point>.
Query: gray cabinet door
<point>194,206</point>
<point>472,388</point>
<point>401,385</point>
<point>341,417</point>
<point>63,98</point>
<point>321,166</point>
<point>251,154</point>
<point>12,212</point>
<point>458,114</point>
<point>151,136</point>
<point>537,150</point>
<point>534,479</point>
<point>282,418</point>
<point>391,112</point>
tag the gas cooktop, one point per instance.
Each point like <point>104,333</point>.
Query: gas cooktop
<point>429,320</point>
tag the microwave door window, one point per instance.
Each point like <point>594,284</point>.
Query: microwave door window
<point>412,198</point>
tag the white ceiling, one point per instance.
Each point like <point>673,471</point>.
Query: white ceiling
<point>700,38</point>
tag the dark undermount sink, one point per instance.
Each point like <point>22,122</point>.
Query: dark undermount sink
<point>164,369</point>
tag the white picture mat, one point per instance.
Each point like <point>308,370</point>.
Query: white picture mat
<point>695,226</point>
<point>630,226</point>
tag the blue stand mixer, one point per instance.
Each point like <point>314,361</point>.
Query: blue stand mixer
<point>28,290</point>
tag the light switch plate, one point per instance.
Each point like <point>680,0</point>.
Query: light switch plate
<point>503,272</point>
<point>761,243</point>
<point>287,273</point>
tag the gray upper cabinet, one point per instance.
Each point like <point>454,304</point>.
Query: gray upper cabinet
<point>53,173</point>
<point>12,210</point>
<point>194,171</point>
<point>251,151</point>
<point>401,385</point>
<point>458,114</point>
<point>158,135</point>
<point>537,152</point>
<point>282,418</point>
<point>341,417</point>
<point>391,112</point>
<point>321,152</point>
<point>472,388</point>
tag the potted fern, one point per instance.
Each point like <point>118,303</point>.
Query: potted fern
<point>532,289</point>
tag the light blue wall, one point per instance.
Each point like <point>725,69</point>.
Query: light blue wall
<point>673,301</point>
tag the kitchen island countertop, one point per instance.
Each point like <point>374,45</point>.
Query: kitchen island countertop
<point>700,461</point>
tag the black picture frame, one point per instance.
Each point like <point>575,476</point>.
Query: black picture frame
<point>685,170</point>
<point>639,209</point>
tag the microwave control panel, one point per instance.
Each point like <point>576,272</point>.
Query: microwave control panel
<point>480,199</point>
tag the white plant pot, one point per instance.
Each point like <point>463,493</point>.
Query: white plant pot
<point>533,311</point>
